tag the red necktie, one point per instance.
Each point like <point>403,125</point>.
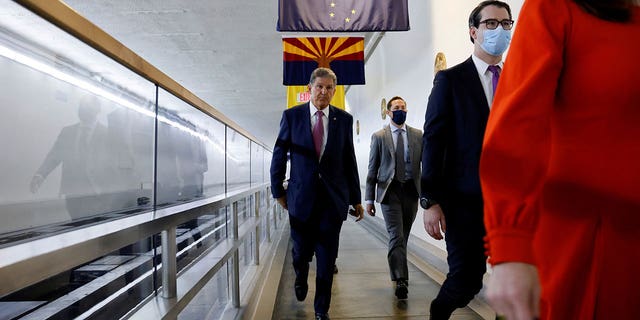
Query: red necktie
<point>318,133</point>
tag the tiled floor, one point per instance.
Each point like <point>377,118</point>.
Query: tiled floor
<point>362,288</point>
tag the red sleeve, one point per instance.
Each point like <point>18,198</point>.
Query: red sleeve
<point>516,144</point>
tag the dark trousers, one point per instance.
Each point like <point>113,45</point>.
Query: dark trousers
<point>318,235</point>
<point>465,255</point>
<point>399,208</point>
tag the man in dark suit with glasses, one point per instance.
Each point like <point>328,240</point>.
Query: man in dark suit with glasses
<point>455,122</point>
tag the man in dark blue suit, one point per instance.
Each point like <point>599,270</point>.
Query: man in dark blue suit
<point>323,182</point>
<point>455,122</point>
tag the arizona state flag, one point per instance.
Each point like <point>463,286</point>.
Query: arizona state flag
<point>343,15</point>
<point>344,55</point>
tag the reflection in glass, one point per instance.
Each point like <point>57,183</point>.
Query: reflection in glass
<point>238,161</point>
<point>79,135</point>
<point>267,165</point>
<point>81,150</point>
<point>257,161</point>
<point>75,291</point>
<point>197,235</point>
<point>190,153</point>
<point>211,301</point>
<point>71,149</point>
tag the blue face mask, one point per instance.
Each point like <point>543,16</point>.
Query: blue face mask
<point>496,41</point>
<point>399,116</point>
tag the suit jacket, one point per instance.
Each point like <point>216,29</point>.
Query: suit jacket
<point>455,122</point>
<point>337,170</point>
<point>85,170</point>
<point>382,161</point>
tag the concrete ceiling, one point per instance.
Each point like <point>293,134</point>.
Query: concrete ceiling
<point>227,52</point>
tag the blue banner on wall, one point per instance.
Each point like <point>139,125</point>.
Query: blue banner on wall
<point>343,15</point>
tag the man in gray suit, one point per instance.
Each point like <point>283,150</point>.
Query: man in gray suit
<point>394,170</point>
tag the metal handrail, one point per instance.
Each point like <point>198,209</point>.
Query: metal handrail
<point>27,263</point>
<point>207,266</point>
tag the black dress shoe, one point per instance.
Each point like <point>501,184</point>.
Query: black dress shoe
<point>440,310</point>
<point>301,289</point>
<point>401,289</point>
<point>322,316</point>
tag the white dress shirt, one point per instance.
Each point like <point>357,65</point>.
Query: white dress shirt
<point>486,77</point>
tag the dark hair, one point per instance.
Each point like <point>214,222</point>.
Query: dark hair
<point>474,17</point>
<point>392,100</point>
<point>323,73</point>
<point>610,10</point>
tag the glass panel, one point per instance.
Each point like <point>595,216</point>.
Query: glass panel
<point>76,131</point>
<point>244,252</point>
<point>195,236</point>
<point>267,165</point>
<point>238,163</point>
<point>257,163</point>
<point>73,292</point>
<point>265,215</point>
<point>244,212</point>
<point>190,152</point>
<point>211,300</point>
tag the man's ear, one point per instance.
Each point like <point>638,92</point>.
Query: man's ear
<point>473,33</point>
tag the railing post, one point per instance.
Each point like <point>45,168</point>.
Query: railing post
<point>267,219</point>
<point>256,246</point>
<point>275,215</point>
<point>169,264</point>
<point>235,272</point>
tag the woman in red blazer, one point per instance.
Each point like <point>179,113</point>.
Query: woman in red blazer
<point>560,166</point>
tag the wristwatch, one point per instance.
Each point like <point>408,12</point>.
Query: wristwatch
<point>427,203</point>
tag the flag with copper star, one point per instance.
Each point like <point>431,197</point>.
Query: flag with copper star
<point>343,55</point>
<point>343,15</point>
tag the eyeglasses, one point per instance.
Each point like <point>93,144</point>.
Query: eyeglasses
<point>491,24</point>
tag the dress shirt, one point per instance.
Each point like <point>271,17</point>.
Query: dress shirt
<point>325,122</point>
<point>407,158</point>
<point>485,77</point>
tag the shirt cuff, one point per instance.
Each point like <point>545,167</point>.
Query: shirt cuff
<point>509,246</point>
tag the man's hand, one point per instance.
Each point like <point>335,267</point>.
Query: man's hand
<point>433,220</point>
<point>514,291</point>
<point>358,212</point>
<point>283,202</point>
<point>36,181</point>
<point>371,209</point>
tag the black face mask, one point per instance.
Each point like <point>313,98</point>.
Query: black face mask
<point>399,117</point>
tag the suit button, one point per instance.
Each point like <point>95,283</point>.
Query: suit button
<point>319,176</point>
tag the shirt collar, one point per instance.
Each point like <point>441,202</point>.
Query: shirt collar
<point>313,110</point>
<point>482,66</point>
<point>394,128</point>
